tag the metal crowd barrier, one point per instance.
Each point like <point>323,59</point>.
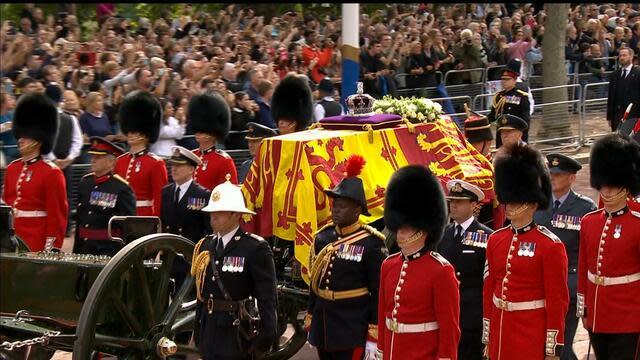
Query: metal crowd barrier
<point>460,76</point>
<point>594,109</point>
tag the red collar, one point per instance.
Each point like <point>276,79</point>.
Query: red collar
<point>103,178</point>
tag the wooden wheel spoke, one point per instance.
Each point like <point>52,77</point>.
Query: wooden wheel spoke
<point>145,293</point>
<point>174,308</point>
<point>162,293</point>
<point>126,314</point>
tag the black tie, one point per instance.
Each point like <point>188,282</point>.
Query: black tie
<point>556,205</point>
<point>177,198</point>
<point>624,73</point>
<point>458,235</point>
<point>219,247</point>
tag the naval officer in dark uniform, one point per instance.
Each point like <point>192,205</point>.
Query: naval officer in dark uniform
<point>183,200</point>
<point>233,270</point>
<point>562,217</point>
<point>463,245</point>
<point>342,316</point>
<point>101,195</point>
<point>513,99</point>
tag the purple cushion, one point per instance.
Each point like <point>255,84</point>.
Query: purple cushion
<point>377,121</point>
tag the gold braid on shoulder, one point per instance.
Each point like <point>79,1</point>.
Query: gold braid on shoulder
<point>498,104</point>
<point>199,263</point>
<point>374,232</point>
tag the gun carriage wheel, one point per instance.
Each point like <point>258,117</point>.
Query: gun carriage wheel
<point>130,312</point>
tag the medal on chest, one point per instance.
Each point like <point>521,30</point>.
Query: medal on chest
<point>137,169</point>
<point>350,252</point>
<point>527,249</point>
<point>195,203</point>
<point>204,165</point>
<point>617,232</point>
<point>102,199</point>
<point>28,175</point>
<point>233,264</point>
<point>476,239</point>
<point>513,99</point>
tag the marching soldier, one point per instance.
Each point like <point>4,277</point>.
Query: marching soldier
<point>140,117</point>
<point>182,202</point>
<point>101,195</point>
<point>463,245</point>
<point>562,217</point>
<point>513,99</point>
<point>525,295</point>
<point>208,117</point>
<point>345,274</point>
<point>418,309</point>
<point>35,188</point>
<point>609,261</point>
<point>233,270</point>
<point>255,134</point>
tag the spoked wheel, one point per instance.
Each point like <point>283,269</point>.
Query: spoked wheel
<point>129,311</point>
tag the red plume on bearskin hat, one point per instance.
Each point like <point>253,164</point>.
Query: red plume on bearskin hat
<point>351,187</point>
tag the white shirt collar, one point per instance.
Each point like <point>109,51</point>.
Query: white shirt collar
<point>561,199</point>
<point>465,225</point>
<point>228,236</point>
<point>628,68</point>
<point>328,98</point>
<point>184,187</point>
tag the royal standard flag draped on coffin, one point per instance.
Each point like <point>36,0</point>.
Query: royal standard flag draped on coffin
<point>286,181</point>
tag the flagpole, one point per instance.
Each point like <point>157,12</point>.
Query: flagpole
<point>350,49</point>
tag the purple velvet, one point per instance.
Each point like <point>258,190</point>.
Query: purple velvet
<point>369,119</point>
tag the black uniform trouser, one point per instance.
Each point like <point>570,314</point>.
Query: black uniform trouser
<point>616,346</point>
<point>352,354</point>
<point>68,183</point>
<point>570,327</point>
<point>470,346</point>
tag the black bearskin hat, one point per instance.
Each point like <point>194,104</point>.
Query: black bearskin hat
<point>209,113</point>
<point>522,177</point>
<point>292,100</point>
<point>415,197</point>
<point>141,112</point>
<point>36,117</point>
<point>615,161</point>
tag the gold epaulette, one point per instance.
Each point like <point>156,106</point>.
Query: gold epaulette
<point>118,177</point>
<point>329,224</point>
<point>522,92</point>
<point>89,174</point>
<point>199,271</point>
<point>375,232</point>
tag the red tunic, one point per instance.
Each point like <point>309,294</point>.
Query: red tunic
<point>216,164</point>
<point>525,265</point>
<point>610,247</point>
<point>147,175</point>
<point>420,289</point>
<point>37,192</point>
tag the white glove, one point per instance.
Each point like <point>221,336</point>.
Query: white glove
<point>370,350</point>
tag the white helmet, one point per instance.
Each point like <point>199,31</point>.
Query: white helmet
<point>227,197</point>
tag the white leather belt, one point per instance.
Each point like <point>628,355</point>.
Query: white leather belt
<point>617,280</point>
<point>517,306</point>
<point>28,214</point>
<point>398,328</point>
<point>144,203</point>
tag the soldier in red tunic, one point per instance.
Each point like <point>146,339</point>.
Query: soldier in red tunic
<point>419,306</point>
<point>140,116</point>
<point>209,118</point>
<point>608,299</point>
<point>525,294</point>
<point>35,188</point>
